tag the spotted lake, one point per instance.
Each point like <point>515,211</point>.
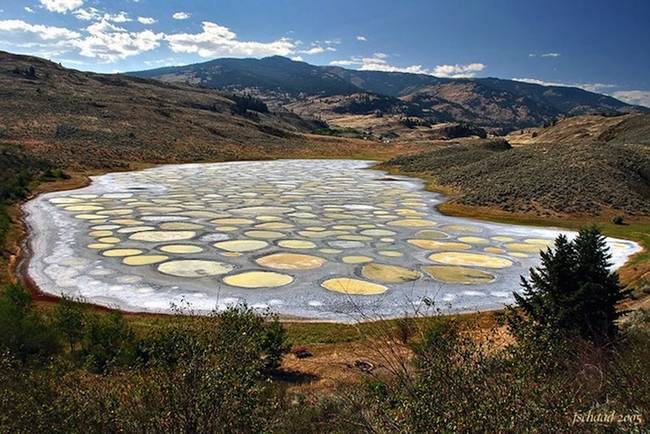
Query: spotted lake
<point>315,239</point>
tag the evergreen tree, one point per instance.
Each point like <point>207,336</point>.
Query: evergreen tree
<point>599,290</point>
<point>573,292</point>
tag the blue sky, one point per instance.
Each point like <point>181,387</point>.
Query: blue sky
<point>599,45</point>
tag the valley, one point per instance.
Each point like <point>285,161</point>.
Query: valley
<point>369,210</point>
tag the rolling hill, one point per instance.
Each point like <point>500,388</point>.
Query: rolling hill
<point>587,165</point>
<point>89,120</point>
<point>501,105</point>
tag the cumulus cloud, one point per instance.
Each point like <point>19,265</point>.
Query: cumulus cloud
<point>87,14</point>
<point>61,6</point>
<point>181,16</point>
<point>23,31</point>
<point>106,40</point>
<point>93,14</point>
<point>361,38</point>
<point>458,71</point>
<point>103,40</point>
<point>147,20</point>
<point>217,40</point>
<point>314,50</point>
<point>378,62</point>
<point>636,97</point>
<point>120,17</point>
<point>28,9</point>
<point>109,42</point>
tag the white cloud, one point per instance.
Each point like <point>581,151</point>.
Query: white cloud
<point>104,40</point>
<point>28,9</point>
<point>297,58</point>
<point>591,87</point>
<point>87,14</point>
<point>636,97</point>
<point>544,55</point>
<point>361,38</point>
<point>93,14</point>
<point>61,6</point>
<point>110,43</point>
<point>21,30</point>
<point>344,62</point>
<point>314,50</point>
<point>120,17</point>
<point>379,62</point>
<point>181,16</point>
<point>458,71</point>
<point>217,40</point>
<point>147,20</point>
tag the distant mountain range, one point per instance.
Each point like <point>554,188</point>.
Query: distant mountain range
<point>488,102</point>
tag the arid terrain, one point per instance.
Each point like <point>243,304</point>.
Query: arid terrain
<point>85,120</point>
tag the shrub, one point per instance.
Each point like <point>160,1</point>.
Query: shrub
<point>23,333</point>
<point>458,383</point>
<point>107,341</point>
<point>275,344</point>
<point>69,321</point>
<point>256,342</point>
<point>618,220</point>
<point>243,103</point>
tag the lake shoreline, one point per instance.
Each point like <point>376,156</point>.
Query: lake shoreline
<point>290,318</point>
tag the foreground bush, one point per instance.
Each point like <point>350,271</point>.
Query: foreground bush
<point>211,375</point>
<point>24,335</point>
<point>455,382</point>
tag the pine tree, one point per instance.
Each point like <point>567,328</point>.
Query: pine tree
<point>599,290</point>
<point>573,292</point>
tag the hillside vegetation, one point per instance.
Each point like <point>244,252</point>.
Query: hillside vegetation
<point>89,120</point>
<point>631,128</point>
<point>582,177</point>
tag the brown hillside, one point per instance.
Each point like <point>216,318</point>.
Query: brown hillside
<point>631,128</point>
<point>580,178</point>
<point>96,120</point>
